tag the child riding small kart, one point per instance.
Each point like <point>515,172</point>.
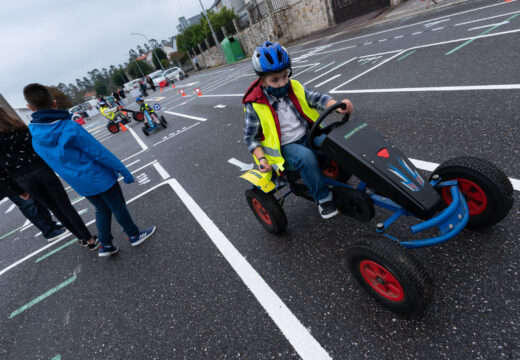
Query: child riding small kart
<point>152,121</point>
<point>461,192</point>
<point>115,116</point>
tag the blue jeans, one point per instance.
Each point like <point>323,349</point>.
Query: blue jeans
<point>298,156</point>
<point>106,203</point>
<point>36,212</point>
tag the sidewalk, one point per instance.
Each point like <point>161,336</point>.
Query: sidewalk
<point>413,7</point>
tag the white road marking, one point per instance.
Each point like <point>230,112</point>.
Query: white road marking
<point>219,106</point>
<point>421,89</point>
<point>331,70</point>
<point>330,79</point>
<point>323,67</point>
<point>488,18</point>
<point>4,200</point>
<point>176,133</point>
<point>417,33</point>
<point>382,40</point>
<point>333,91</point>
<point>489,25</point>
<point>224,95</point>
<point>11,208</point>
<point>435,23</point>
<point>138,139</point>
<point>398,37</point>
<point>368,43</point>
<point>298,336</point>
<point>164,174</point>
<point>377,54</point>
<point>133,163</point>
<point>439,28</point>
<point>240,164</point>
<point>186,116</point>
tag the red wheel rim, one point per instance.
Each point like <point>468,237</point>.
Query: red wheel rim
<point>381,280</point>
<point>113,128</point>
<point>139,116</point>
<point>332,170</point>
<point>475,197</point>
<point>262,212</point>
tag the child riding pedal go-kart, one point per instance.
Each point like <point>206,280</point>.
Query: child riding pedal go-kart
<point>114,115</point>
<point>152,120</point>
<point>464,192</point>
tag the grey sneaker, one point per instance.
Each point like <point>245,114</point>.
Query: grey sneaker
<point>328,209</point>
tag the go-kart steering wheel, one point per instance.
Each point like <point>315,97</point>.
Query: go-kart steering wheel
<point>316,130</point>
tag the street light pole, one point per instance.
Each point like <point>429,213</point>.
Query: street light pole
<point>217,44</point>
<point>151,45</point>
<point>136,62</point>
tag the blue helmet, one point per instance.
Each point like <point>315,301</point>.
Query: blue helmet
<point>102,102</point>
<point>270,57</point>
<point>138,99</point>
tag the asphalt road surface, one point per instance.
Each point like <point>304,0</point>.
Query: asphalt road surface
<point>212,284</point>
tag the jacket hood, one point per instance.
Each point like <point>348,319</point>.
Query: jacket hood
<point>47,126</point>
<point>254,94</point>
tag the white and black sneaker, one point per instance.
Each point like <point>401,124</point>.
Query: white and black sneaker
<point>328,209</point>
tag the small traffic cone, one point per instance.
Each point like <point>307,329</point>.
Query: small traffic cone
<point>123,127</point>
<point>182,92</point>
<point>173,86</point>
<point>197,91</point>
<point>161,88</point>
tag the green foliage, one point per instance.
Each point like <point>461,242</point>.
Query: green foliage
<point>133,70</point>
<point>119,77</point>
<point>165,63</point>
<point>195,34</point>
<point>161,55</point>
<point>101,88</point>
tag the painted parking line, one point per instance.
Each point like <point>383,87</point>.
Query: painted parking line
<point>186,116</point>
<point>487,18</point>
<point>73,241</point>
<point>481,34</point>
<point>43,296</point>
<point>172,135</point>
<point>326,81</point>
<point>426,89</point>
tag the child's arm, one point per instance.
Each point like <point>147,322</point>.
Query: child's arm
<point>252,131</point>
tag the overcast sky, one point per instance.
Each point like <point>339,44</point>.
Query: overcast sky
<point>57,41</point>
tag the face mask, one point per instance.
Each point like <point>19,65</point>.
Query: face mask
<point>278,92</point>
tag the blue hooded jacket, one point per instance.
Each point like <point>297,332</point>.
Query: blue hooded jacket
<point>75,155</point>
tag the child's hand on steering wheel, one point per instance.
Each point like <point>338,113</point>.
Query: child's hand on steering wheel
<point>264,165</point>
<point>348,109</point>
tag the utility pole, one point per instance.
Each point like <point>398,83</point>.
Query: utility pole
<point>136,62</point>
<point>151,45</point>
<point>217,44</point>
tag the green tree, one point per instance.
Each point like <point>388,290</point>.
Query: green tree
<point>133,70</point>
<point>161,55</point>
<point>119,77</point>
<point>101,88</point>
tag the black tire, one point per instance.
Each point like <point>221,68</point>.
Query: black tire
<point>406,288</point>
<point>138,116</point>
<point>113,128</point>
<point>163,121</point>
<point>145,131</point>
<point>487,189</point>
<point>267,210</point>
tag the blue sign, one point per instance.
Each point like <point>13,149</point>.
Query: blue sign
<point>156,107</point>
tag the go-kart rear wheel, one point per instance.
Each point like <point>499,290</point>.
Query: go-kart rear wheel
<point>138,116</point>
<point>390,274</point>
<point>146,131</point>
<point>113,128</point>
<point>334,172</point>
<point>163,121</point>
<point>488,191</point>
<point>267,210</point>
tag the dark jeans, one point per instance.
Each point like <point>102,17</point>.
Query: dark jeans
<point>106,203</point>
<point>36,212</point>
<point>45,187</point>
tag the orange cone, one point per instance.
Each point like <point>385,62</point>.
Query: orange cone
<point>182,92</point>
<point>123,127</point>
<point>197,91</point>
<point>173,86</point>
<point>161,88</point>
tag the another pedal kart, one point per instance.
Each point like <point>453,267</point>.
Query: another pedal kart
<point>461,192</point>
<point>114,126</point>
<point>150,125</point>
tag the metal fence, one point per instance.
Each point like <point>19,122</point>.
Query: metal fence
<point>243,21</point>
<point>280,4</point>
<point>258,10</point>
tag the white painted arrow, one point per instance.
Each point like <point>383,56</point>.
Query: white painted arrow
<point>240,164</point>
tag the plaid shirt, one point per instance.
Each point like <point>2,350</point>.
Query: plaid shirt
<point>253,129</point>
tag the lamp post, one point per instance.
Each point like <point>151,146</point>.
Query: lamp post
<point>156,57</point>
<point>136,62</point>
<point>217,44</point>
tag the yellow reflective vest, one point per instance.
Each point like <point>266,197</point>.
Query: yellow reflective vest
<point>271,143</point>
<point>109,115</point>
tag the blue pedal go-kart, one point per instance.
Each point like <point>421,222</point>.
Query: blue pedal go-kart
<point>149,124</point>
<point>463,192</point>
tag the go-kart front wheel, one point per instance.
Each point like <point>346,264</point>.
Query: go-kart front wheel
<point>146,131</point>
<point>163,121</point>
<point>487,190</point>
<point>113,128</point>
<point>267,210</point>
<point>390,274</point>
<point>138,116</point>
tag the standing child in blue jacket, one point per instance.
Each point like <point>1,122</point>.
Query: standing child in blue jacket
<point>89,168</point>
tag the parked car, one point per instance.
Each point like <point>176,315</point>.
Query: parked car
<point>158,78</point>
<point>174,73</point>
<point>129,86</point>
